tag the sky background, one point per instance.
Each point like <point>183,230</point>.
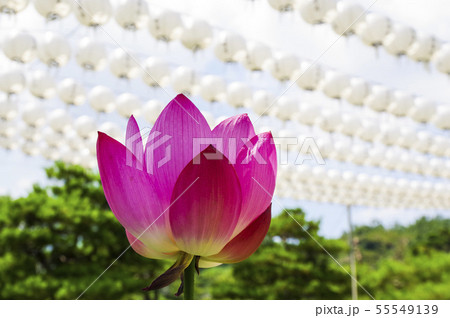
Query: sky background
<point>254,20</point>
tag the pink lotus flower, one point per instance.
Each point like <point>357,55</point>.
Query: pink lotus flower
<point>190,192</point>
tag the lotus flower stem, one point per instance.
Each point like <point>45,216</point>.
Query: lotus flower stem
<point>189,280</point>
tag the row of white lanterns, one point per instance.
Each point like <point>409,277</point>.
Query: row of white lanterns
<point>102,99</point>
<point>213,88</point>
<point>63,144</point>
<point>347,18</point>
<point>308,183</point>
<point>317,183</point>
<point>335,146</point>
<point>92,55</point>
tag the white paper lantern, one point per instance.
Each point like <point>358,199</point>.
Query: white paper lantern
<point>165,25</point>
<point>123,65</point>
<point>34,114</point>
<point>423,48</point>
<point>71,92</point>
<point>341,150</point>
<point>12,6</point>
<point>102,99</point>
<point>439,146</point>
<point>238,94</point>
<point>12,81</point>
<point>356,92</point>
<point>151,110</point>
<point>334,84</point>
<point>389,134</point>
<point>54,50</point>
<point>325,146</point>
<point>315,11</point>
<point>308,114</point>
<point>432,169</point>
<point>112,130</point>
<point>401,103</point>
<point>305,173</point>
<point>284,137</point>
<point>41,85</point>
<point>128,104</point>
<point>308,76</point>
<point>30,148</point>
<point>261,102</point>
<point>184,80</point>
<point>8,109</point>
<point>228,46</point>
<point>53,9</point>
<point>285,107</point>
<point>91,54</point>
<point>442,117</point>
<point>29,133</point>
<point>51,137</point>
<point>404,162</point>
<point>374,29</point>
<point>85,126</point>
<point>362,181</point>
<point>442,59</point>
<point>91,145</point>
<point>333,178</point>
<point>368,131</point>
<point>132,14</point>
<point>255,56</point>
<point>282,5</point>
<point>423,141</point>
<point>156,72</point>
<point>66,155</point>
<point>86,160</point>
<point>93,13</point>
<point>20,47</point>
<point>423,110</point>
<point>73,140</point>
<point>407,137</point>
<point>212,88</point>
<point>59,120</point>
<point>350,124</point>
<point>8,143</point>
<point>329,120</point>
<point>390,160</point>
<point>282,66</point>
<point>358,154</point>
<point>49,153</point>
<point>7,128</point>
<point>379,98</point>
<point>196,35</point>
<point>346,19</point>
<point>399,39</point>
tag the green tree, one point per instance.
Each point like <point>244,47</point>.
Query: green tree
<point>406,262</point>
<point>56,241</point>
<point>424,276</point>
<point>288,265</point>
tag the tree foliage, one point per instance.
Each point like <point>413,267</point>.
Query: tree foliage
<point>290,264</point>
<point>56,242</point>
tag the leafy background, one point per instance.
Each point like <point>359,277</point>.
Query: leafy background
<point>59,238</point>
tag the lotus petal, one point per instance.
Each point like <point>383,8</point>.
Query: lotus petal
<point>206,204</point>
<point>133,196</point>
<point>173,142</point>
<point>233,133</point>
<point>246,242</point>
<point>257,175</point>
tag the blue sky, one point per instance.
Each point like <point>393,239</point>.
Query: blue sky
<point>255,21</point>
